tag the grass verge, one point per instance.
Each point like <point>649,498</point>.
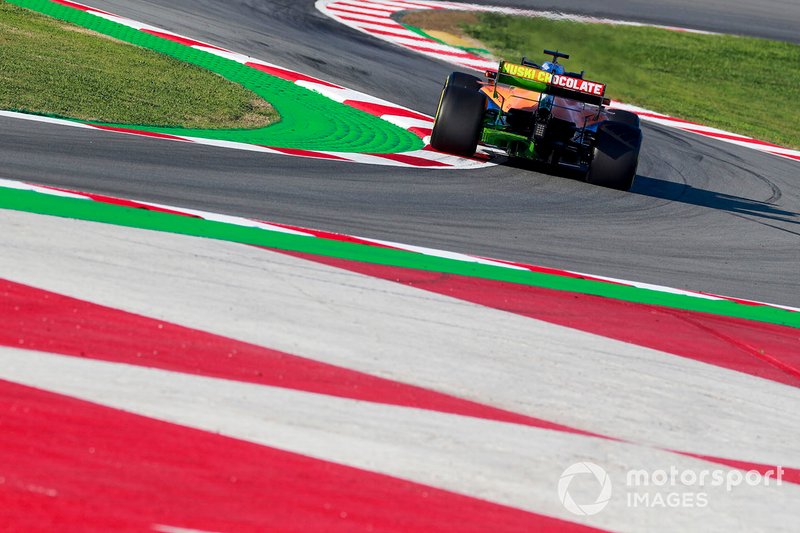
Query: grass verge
<point>742,84</point>
<point>56,68</point>
<point>308,120</point>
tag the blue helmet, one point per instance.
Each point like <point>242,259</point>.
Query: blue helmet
<point>553,68</point>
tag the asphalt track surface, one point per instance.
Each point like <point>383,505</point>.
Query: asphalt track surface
<point>703,214</point>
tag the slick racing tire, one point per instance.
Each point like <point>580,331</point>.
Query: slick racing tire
<point>616,155</point>
<point>626,117</point>
<point>459,121</point>
<point>460,79</point>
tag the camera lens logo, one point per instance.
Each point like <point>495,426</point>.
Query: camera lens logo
<point>586,509</point>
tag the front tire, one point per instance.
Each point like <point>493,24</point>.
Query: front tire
<point>616,156</point>
<point>459,120</point>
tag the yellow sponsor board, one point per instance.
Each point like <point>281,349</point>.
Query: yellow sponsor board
<point>530,73</point>
<point>566,82</point>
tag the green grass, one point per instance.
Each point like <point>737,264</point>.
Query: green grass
<point>55,68</point>
<point>745,85</point>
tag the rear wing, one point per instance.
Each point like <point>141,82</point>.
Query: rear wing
<point>536,79</point>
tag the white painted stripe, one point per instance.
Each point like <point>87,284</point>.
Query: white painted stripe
<point>362,7</point>
<point>445,254</point>
<point>94,10</point>
<point>445,451</point>
<point>396,5</point>
<point>211,50</point>
<point>235,56</point>
<point>11,184</point>
<point>409,122</point>
<point>652,287</point>
<point>403,41</point>
<point>172,529</point>
<point>125,21</point>
<point>343,94</point>
<point>228,219</point>
<point>757,302</point>
<point>40,118</point>
<point>434,47</point>
<point>383,328</point>
<point>351,14</point>
<point>367,27</point>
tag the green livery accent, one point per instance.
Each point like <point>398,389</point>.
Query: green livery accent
<point>309,120</point>
<point>82,209</point>
<point>522,83</point>
<point>516,145</point>
<point>522,76</point>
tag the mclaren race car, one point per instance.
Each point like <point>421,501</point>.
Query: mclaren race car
<point>542,113</point>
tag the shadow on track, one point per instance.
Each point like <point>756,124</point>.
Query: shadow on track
<point>687,194</point>
<point>680,192</point>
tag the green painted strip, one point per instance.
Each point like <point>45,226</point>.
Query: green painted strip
<point>35,202</point>
<point>422,33</point>
<point>310,121</point>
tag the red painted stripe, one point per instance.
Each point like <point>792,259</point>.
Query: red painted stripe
<point>81,7</point>
<point>737,300</point>
<point>390,24</point>
<point>477,156</point>
<point>421,132</point>
<point>307,153</point>
<point>733,138</point>
<point>464,55</point>
<point>412,160</point>
<point>122,201</point>
<point>71,465</point>
<point>764,350</point>
<point>395,34</point>
<point>727,342</point>
<point>382,109</point>
<point>790,475</point>
<point>796,157</point>
<point>182,40</point>
<point>334,236</point>
<point>50,322</point>
<point>290,75</point>
<point>140,132</point>
<point>353,12</point>
<point>403,3</point>
<point>553,271</point>
<point>665,117</point>
<point>364,6</point>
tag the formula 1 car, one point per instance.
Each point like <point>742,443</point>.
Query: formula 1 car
<point>540,113</point>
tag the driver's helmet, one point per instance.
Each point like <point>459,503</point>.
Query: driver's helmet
<point>552,68</point>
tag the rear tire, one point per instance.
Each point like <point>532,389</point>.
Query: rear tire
<point>459,120</point>
<point>466,81</point>
<point>616,155</point>
<point>626,117</point>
